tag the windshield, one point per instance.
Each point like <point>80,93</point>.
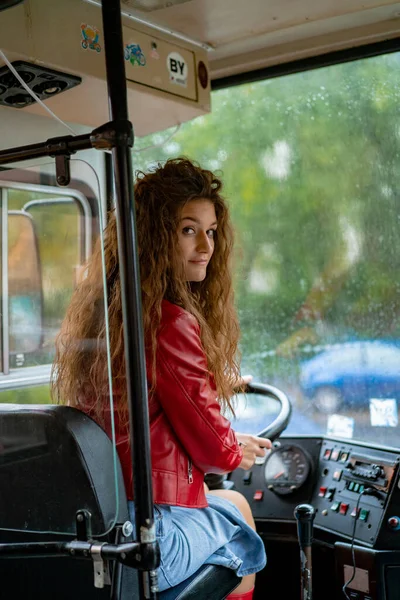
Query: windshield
<point>310,165</point>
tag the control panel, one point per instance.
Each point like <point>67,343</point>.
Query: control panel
<point>353,489</point>
<point>285,479</point>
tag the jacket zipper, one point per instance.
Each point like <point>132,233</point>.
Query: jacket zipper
<point>190,471</point>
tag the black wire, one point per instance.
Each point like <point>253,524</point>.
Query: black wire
<point>352,548</point>
<point>370,491</point>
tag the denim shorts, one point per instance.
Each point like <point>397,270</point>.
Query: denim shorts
<point>216,535</point>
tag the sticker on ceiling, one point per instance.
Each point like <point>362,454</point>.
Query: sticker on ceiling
<point>177,68</point>
<point>90,37</point>
<point>135,55</point>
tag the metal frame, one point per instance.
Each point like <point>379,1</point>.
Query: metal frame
<point>38,375</point>
<point>85,212</point>
<point>5,346</point>
<point>84,222</point>
<point>25,377</point>
<point>48,189</point>
<point>74,194</point>
<point>116,135</point>
<point>308,64</point>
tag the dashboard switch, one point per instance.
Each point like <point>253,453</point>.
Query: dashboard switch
<point>329,494</point>
<point>247,477</point>
<point>335,454</point>
<point>363,516</point>
<point>322,491</point>
<point>327,454</point>
<point>258,495</point>
<point>337,475</point>
<point>343,508</point>
<point>335,506</point>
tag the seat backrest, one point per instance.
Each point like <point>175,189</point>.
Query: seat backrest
<point>56,457</point>
<point>54,461</point>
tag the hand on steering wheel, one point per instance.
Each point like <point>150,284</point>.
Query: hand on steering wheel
<point>239,385</point>
<point>253,446</point>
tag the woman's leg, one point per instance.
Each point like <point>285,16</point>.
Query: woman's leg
<point>241,503</point>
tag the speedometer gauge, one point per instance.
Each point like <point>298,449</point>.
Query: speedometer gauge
<point>286,469</point>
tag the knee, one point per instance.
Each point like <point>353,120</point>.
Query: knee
<point>241,503</point>
<point>244,507</point>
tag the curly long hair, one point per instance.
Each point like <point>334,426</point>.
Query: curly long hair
<point>80,367</point>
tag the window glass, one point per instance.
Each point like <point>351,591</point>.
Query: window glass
<point>24,286</point>
<point>46,238</point>
<point>30,395</point>
<point>310,165</point>
<point>57,224</point>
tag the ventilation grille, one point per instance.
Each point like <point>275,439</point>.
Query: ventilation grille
<point>44,82</point>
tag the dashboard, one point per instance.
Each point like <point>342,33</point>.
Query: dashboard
<point>352,486</point>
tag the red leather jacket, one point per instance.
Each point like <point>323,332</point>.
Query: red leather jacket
<point>189,436</point>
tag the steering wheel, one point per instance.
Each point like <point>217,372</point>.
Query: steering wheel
<point>279,424</point>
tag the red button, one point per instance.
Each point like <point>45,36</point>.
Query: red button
<point>322,491</point>
<point>327,454</point>
<point>258,495</point>
<point>343,508</point>
<point>394,522</point>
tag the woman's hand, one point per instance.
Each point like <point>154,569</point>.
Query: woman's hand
<point>242,381</point>
<point>253,446</point>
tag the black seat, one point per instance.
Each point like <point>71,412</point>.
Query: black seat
<point>208,582</point>
<point>55,461</point>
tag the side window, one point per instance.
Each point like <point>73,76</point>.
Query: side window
<point>24,289</point>
<point>47,239</point>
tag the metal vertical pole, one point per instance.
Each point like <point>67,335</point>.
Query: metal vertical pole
<point>130,287</point>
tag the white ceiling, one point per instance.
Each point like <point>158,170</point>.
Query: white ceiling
<point>249,34</point>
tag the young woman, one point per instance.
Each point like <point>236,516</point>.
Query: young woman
<point>191,335</point>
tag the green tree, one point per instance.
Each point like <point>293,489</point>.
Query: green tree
<point>309,163</point>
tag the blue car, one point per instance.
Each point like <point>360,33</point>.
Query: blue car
<point>351,374</point>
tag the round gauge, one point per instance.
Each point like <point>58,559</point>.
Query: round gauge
<point>286,469</point>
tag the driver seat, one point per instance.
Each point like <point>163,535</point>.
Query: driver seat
<point>50,469</point>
